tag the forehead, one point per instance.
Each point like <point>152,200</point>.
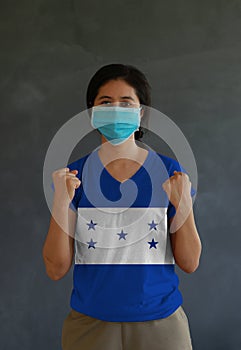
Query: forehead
<point>117,89</point>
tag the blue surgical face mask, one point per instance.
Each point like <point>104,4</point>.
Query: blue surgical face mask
<point>115,123</point>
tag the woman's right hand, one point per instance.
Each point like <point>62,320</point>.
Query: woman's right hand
<point>65,184</point>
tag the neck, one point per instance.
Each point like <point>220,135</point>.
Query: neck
<point>127,149</point>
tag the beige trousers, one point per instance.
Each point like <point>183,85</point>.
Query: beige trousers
<point>81,332</point>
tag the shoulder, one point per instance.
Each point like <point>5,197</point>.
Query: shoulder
<point>171,164</point>
<point>78,164</point>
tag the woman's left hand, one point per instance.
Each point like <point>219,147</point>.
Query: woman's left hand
<point>178,189</point>
<point>185,241</point>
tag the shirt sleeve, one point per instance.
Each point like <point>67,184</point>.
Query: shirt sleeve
<point>171,211</point>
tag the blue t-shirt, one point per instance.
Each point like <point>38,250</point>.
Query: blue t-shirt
<point>124,267</point>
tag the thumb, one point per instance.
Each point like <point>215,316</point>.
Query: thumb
<point>166,185</point>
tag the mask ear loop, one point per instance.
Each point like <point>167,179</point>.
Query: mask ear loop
<point>142,111</point>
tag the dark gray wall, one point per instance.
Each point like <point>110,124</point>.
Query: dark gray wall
<point>191,53</point>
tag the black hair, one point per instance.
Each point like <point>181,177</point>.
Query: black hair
<point>131,75</point>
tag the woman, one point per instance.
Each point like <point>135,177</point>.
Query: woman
<point>116,211</point>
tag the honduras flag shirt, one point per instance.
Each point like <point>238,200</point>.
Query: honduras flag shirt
<point>124,266</point>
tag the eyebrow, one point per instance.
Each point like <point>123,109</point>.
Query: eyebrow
<point>122,97</point>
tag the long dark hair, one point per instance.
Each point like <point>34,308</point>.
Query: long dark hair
<point>131,75</point>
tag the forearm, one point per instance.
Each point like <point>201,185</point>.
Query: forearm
<point>186,243</point>
<point>58,246</point>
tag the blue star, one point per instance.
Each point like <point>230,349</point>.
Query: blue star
<point>153,225</point>
<point>122,234</point>
<point>153,244</point>
<point>91,225</point>
<point>91,244</point>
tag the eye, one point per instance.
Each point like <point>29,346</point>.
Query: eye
<point>126,104</point>
<point>129,104</point>
<point>105,102</point>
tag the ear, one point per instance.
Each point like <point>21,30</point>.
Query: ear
<point>142,112</point>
